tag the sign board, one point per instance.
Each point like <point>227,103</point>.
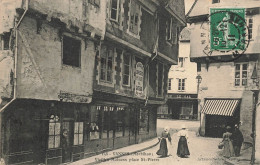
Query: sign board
<point>139,80</point>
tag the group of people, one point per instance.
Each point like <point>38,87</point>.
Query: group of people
<point>232,141</point>
<point>182,150</point>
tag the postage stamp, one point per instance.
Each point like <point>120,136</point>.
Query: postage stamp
<point>228,32</point>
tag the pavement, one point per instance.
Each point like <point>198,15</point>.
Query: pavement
<point>204,151</point>
<point>114,154</point>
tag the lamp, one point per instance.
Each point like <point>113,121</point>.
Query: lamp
<point>199,78</point>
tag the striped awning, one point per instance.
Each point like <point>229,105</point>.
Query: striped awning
<point>224,107</point>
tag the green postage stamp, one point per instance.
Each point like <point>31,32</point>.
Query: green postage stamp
<point>227,29</point>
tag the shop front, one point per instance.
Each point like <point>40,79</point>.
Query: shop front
<point>183,106</point>
<point>220,113</point>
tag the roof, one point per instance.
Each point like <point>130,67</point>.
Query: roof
<point>201,7</point>
<point>185,34</point>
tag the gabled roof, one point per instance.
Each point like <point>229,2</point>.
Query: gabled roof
<point>201,7</point>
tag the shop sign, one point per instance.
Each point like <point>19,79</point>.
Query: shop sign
<point>139,80</point>
<point>71,97</point>
<point>181,96</point>
<point>110,108</point>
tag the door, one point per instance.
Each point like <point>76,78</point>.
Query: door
<point>67,141</point>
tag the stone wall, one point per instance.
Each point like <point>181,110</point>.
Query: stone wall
<point>218,82</point>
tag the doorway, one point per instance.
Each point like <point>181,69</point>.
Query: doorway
<point>67,140</point>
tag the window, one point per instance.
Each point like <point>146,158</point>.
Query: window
<point>181,61</point>
<point>215,1</point>
<point>181,85</point>
<point>160,79</point>
<point>241,73</point>
<point>106,65</point>
<point>169,84</point>
<point>5,38</point>
<point>54,132</point>
<point>143,121</point>
<point>171,31</point>
<point>198,67</point>
<point>114,10</point>
<point>71,51</point>
<point>94,2</point>
<point>134,17</point>
<point>126,69</point>
<point>78,133</point>
<point>108,122</point>
<point>250,28</point>
<point>119,123</point>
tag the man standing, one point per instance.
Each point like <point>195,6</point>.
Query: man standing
<point>238,139</point>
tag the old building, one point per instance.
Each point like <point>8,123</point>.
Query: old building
<point>82,77</point>
<point>182,84</point>
<point>227,89</point>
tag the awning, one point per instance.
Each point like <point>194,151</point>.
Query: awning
<point>224,107</point>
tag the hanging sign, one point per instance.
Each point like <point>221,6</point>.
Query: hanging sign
<point>139,80</point>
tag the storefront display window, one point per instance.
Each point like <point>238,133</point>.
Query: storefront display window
<point>143,121</point>
<point>107,122</point>
<point>78,133</point>
<point>54,132</point>
<point>120,123</point>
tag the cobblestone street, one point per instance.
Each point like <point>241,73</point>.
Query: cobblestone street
<point>203,150</point>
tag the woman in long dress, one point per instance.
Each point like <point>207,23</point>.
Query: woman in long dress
<point>228,146</point>
<point>183,150</point>
<point>163,151</point>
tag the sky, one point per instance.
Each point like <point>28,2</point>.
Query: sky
<point>188,4</point>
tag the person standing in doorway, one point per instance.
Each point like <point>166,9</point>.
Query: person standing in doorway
<point>238,139</point>
<point>65,146</point>
<point>228,146</point>
<point>163,151</point>
<point>183,150</point>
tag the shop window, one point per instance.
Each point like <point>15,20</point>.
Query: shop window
<point>54,132</point>
<point>120,123</point>
<point>71,51</point>
<point>5,38</point>
<point>170,84</point>
<point>78,133</point>
<point>129,122</point>
<point>106,65</point>
<point>126,69</point>
<point>114,10</point>
<point>160,79</point>
<point>94,127</point>
<point>181,85</point>
<point>250,28</point>
<point>143,121</point>
<point>187,108</point>
<point>241,74</point>
<point>107,122</point>
<point>94,2</point>
<point>135,10</point>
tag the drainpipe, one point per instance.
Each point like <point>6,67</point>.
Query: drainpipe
<point>15,79</point>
